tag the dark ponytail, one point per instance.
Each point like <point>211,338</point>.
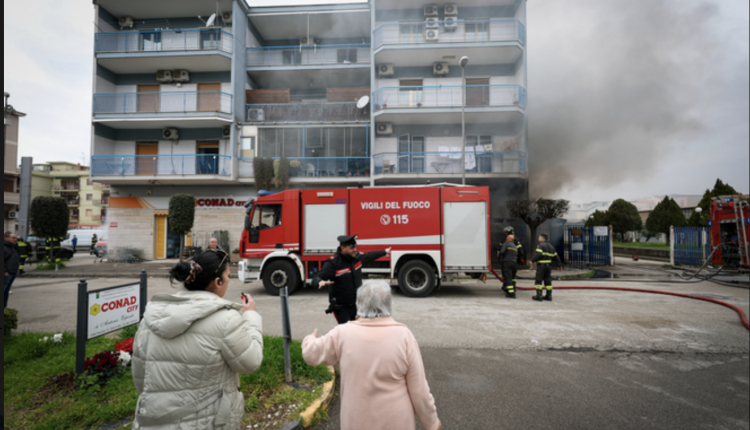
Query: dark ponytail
<point>197,273</point>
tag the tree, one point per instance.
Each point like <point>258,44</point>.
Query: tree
<point>181,215</point>
<point>720,189</point>
<point>281,172</point>
<point>667,213</point>
<point>263,176</point>
<point>49,217</point>
<point>597,218</point>
<point>623,217</point>
<point>648,234</point>
<point>535,212</point>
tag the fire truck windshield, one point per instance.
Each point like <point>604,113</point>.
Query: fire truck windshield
<point>265,216</point>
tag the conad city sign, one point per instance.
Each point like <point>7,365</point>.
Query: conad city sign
<point>113,309</point>
<point>162,203</point>
<point>219,203</point>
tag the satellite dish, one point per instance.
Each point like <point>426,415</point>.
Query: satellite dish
<point>363,102</point>
<point>211,20</point>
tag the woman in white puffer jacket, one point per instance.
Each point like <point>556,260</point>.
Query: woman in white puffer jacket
<point>190,349</point>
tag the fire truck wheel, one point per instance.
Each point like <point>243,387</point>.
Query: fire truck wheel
<point>280,274</point>
<point>416,279</point>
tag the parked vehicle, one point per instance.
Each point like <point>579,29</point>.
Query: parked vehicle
<point>84,237</point>
<point>100,250</point>
<point>435,233</point>
<point>38,253</point>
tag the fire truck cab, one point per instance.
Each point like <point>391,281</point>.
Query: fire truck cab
<point>730,230</point>
<point>434,232</point>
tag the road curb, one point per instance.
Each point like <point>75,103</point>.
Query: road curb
<point>322,402</point>
<point>100,275</point>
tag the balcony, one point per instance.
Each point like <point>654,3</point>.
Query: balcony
<point>197,50</point>
<point>209,106</point>
<point>96,217</point>
<point>324,168</point>
<point>309,56</point>
<point>495,163</point>
<point>98,186</point>
<point>73,202</point>
<point>306,112</point>
<point>100,202</point>
<point>66,187</point>
<point>470,32</point>
<point>167,166</point>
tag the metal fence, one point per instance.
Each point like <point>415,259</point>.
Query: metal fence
<point>162,102</point>
<point>155,165</point>
<point>449,162</point>
<point>317,167</point>
<point>299,55</point>
<point>448,96</point>
<point>317,112</point>
<point>588,245</point>
<point>205,39</point>
<point>450,31</point>
<point>691,246</point>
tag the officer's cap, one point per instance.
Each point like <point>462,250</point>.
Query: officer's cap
<point>348,240</point>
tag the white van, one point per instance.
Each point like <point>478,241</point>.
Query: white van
<point>84,237</point>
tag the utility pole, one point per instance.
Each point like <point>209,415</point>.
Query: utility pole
<point>463,62</point>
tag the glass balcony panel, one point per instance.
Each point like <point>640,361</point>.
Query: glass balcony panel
<point>448,96</point>
<point>163,102</point>
<point>156,165</point>
<point>449,162</point>
<point>450,31</point>
<point>204,39</point>
<point>308,55</point>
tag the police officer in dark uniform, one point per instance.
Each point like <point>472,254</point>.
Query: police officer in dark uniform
<point>519,251</point>
<point>543,256</point>
<point>343,272</point>
<point>508,257</point>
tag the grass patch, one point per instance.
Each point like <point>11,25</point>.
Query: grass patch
<point>40,392</point>
<point>49,266</point>
<point>580,276</point>
<point>645,245</point>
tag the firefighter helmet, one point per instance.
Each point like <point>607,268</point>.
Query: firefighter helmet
<point>508,230</point>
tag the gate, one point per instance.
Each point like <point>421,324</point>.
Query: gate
<point>588,245</point>
<point>690,246</point>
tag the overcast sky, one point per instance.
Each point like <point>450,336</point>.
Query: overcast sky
<point>627,98</point>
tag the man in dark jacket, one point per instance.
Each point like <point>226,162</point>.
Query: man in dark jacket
<point>543,256</point>
<point>343,272</point>
<point>11,262</point>
<point>508,257</point>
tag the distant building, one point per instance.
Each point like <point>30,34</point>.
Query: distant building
<point>11,183</point>
<point>684,201</point>
<point>580,212</point>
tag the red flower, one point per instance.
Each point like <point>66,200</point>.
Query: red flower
<point>126,345</point>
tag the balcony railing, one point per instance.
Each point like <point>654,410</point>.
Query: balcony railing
<point>208,39</point>
<point>449,162</point>
<point>163,102</point>
<point>156,165</point>
<point>307,112</point>
<point>302,55</point>
<point>96,217</point>
<point>317,167</point>
<point>73,202</point>
<point>448,96</point>
<point>66,187</point>
<point>99,186</point>
<point>450,31</point>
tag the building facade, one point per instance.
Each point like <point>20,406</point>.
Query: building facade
<point>87,200</point>
<point>185,98</point>
<point>11,182</point>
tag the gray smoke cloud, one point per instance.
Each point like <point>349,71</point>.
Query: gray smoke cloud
<point>615,86</point>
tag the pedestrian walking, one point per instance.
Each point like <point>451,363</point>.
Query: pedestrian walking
<point>191,347</point>
<point>383,383</point>
<point>508,257</point>
<point>94,241</point>
<point>11,262</point>
<point>343,272</point>
<point>22,247</point>
<point>75,243</point>
<point>543,256</point>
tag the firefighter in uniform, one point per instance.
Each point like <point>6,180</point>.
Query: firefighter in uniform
<point>23,254</point>
<point>94,241</point>
<point>509,256</point>
<point>508,231</point>
<point>543,256</point>
<point>343,272</point>
<point>54,244</point>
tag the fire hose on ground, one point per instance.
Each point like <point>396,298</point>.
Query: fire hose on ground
<point>639,290</point>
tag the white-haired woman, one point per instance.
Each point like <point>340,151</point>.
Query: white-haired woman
<point>382,375</point>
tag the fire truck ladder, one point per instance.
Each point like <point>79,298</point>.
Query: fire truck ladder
<point>739,218</point>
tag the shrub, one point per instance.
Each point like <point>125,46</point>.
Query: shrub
<point>10,320</point>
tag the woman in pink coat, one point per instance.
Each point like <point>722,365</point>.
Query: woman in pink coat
<point>382,375</point>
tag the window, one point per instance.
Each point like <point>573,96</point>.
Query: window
<point>150,41</point>
<point>248,147</point>
<point>89,197</point>
<point>291,56</point>
<point>410,92</point>
<point>481,146</point>
<point>210,39</point>
<point>89,212</point>
<point>270,216</point>
<point>411,33</point>
<point>346,55</point>
<point>477,31</point>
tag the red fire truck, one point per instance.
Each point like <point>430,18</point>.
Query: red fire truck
<point>435,232</point>
<point>730,229</point>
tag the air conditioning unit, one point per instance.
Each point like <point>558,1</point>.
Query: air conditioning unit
<point>430,10</point>
<point>384,128</point>
<point>431,35</point>
<point>440,68</point>
<point>180,76</point>
<point>254,114</point>
<point>431,22</point>
<point>226,132</point>
<point>451,9</point>
<point>450,23</point>
<point>164,76</point>
<point>385,70</point>
<point>170,134</point>
<point>304,40</point>
<point>226,17</point>
<point>125,22</point>
<point>12,215</point>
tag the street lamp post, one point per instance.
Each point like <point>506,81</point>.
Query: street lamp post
<point>463,62</point>
<point>5,116</point>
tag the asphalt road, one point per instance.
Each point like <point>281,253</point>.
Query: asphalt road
<point>589,359</point>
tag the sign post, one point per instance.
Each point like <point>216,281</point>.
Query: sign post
<point>287,333</point>
<point>106,310</point>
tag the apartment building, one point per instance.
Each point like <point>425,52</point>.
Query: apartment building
<point>188,94</point>
<point>87,200</point>
<point>11,182</point>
